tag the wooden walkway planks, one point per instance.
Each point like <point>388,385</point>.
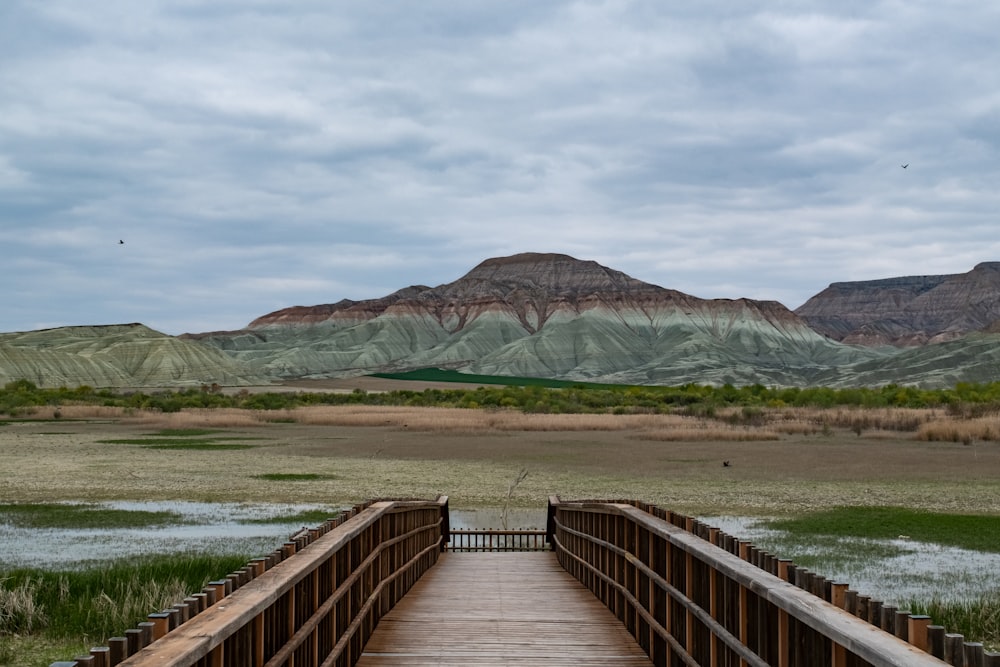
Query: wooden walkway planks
<point>500,609</point>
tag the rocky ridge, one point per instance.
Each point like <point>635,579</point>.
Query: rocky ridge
<point>908,311</point>
<point>118,355</point>
<point>550,315</point>
<point>546,315</point>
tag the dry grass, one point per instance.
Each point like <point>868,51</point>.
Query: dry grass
<point>708,434</point>
<point>457,420</point>
<point>135,599</point>
<point>20,611</point>
<point>77,412</point>
<point>796,427</point>
<point>204,418</point>
<point>736,423</point>
<point>727,424</point>
<point>367,452</point>
<point>469,421</point>
<point>437,420</point>
<point>789,420</point>
<point>966,431</point>
<point>903,420</point>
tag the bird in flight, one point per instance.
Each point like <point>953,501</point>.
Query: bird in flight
<point>904,166</point>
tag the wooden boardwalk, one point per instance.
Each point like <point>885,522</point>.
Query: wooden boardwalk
<point>500,609</point>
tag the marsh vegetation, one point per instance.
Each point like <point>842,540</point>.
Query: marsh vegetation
<point>892,461</point>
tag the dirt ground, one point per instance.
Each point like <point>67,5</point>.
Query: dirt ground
<point>69,460</point>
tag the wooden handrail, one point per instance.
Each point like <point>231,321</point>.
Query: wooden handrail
<point>490,539</point>
<point>309,626</point>
<point>411,530</point>
<point>643,567</point>
<point>687,592</point>
<point>732,641</point>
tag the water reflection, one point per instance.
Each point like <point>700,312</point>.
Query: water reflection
<point>218,528</point>
<point>918,570</point>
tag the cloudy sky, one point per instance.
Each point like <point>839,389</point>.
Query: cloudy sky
<point>258,154</point>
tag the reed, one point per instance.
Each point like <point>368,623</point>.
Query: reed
<point>101,602</point>
<point>978,617</point>
<point>71,411</point>
<point>966,431</point>
<point>21,611</point>
<point>925,423</point>
<point>198,418</point>
<point>464,420</point>
<point>706,434</point>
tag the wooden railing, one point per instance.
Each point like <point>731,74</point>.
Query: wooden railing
<point>690,595</point>
<point>688,601</point>
<point>489,539</point>
<point>318,608</point>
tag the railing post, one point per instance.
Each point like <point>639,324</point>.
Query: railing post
<point>258,639</point>
<point>550,522</point>
<point>445,521</point>
<point>917,631</point>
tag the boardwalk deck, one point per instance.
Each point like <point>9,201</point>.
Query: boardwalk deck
<point>500,609</point>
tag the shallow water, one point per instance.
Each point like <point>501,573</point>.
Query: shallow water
<point>492,517</point>
<point>218,528</point>
<point>919,570</point>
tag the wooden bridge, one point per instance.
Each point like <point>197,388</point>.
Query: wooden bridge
<point>607,583</point>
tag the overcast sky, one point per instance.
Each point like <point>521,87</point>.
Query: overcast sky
<point>259,154</point>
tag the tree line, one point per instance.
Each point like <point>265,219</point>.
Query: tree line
<point>964,398</point>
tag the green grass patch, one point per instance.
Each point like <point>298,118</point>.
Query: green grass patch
<point>973,532</point>
<point>820,552</point>
<point>59,515</point>
<point>214,446</point>
<point>178,442</point>
<point>184,432</point>
<point>103,602</point>
<point>442,375</point>
<point>159,441</point>
<point>310,518</point>
<point>293,477</point>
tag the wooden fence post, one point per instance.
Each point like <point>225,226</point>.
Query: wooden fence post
<point>973,654</point>
<point>935,640</point>
<point>917,631</point>
<point>953,651</point>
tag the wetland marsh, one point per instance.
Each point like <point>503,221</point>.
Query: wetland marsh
<point>238,466</point>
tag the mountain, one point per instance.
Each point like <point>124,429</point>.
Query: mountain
<point>908,311</point>
<point>542,315</point>
<point>120,355</point>
<point>973,358</point>
<point>553,316</point>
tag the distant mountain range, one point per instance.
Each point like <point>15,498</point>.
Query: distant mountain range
<point>550,315</point>
<point>910,311</point>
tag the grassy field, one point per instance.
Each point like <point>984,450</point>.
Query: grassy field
<point>785,463</point>
<point>345,454</point>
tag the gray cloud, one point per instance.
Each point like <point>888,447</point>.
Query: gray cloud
<point>255,155</point>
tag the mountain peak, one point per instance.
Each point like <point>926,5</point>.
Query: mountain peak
<point>551,271</point>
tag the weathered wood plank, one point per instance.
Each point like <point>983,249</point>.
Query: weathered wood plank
<point>500,609</point>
